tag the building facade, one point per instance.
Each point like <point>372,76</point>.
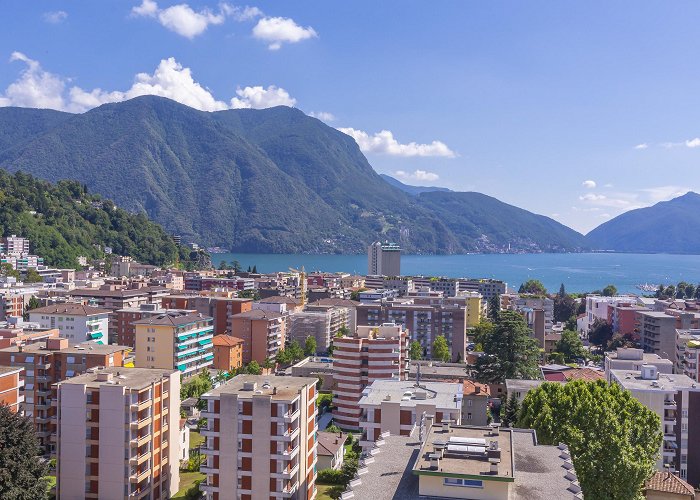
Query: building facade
<point>75,322</point>
<point>10,384</point>
<point>228,353</point>
<point>263,334</point>
<point>384,259</point>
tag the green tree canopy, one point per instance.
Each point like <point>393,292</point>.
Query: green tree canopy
<point>295,351</point>
<point>310,346</point>
<point>509,351</point>
<point>610,291</point>
<point>6,269</point>
<point>415,350</point>
<point>21,471</point>
<point>570,346</point>
<point>600,333</point>
<point>196,386</point>
<point>509,411</point>
<point>441,351</point>
<point>32,276</point>
<point>253,368</point>
<point>565,306</point>
<point>533,287</point>
<point>613,439</point>
<point>494,307</point>
<point>284,357</point>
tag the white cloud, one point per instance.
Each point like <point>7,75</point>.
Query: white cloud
<point>383,142</point>
<point>591,197</point>
<point>38,88</point>
<point>643,145</point>
<point>187,22</point>
<point>664,193</point>
<point>56,17</point>
<point>279,30</point>
<point>259,97</point>
<point>693,143</point>
<point>418,175</point>
<point>323,116</point>
<point>589,184</point>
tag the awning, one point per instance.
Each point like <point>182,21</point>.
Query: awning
<point>95,335</point>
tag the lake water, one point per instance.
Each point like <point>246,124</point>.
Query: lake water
<point>579,272</point>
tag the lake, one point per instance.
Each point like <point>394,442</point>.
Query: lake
<point>580,272</point>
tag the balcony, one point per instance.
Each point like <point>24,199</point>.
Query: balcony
<point>208,470</point>
<point>669,404</point>
<point>286,454</point>
<point>208,451</point>
<point>209,433</point>
<point>208,488</point>
<point>287,473</point>
<point>287,417</point>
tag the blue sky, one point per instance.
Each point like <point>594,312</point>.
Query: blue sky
<point>575,110</point>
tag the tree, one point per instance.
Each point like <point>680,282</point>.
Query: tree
<point>249,294</point>
<point>510,411</point>
<point>310,346</point>
<point>32,276</point>
<point>441,351</point>
<point>697,292</point>
<point>613,439</point>
<point>236,266</point>
<point>333,428</point>
<point>355,294</point>
<point>6,269</point>
<point>481,331</point>
<point>562,291</point>
<point>255,269</point>
<point>565,306</point>
<point>223,266</point>
<point>196,386</point>
<point>295,351</point>
<point>253,368</point>
<point>284,357</point>
<point>600,333</point>
<point>32,303</point>
<point>610,291</point>
<point>533,287</point>
<point>689,291</point>
<point>494,307</point>
<point>626,340</point>
<point>415,351</point>
<point>570,346</point>
<point>21,471</point>
<point>268,364</point>
<point>509,351</point>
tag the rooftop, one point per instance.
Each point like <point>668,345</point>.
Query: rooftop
<point>173,318</point>
<point>330,442</point>
<point>278,388</point>
<point>70,309</point>
<point>434,371</point>
<point>258,314</point>
<point>122,292</point>
<point>405,392</point>
<point>632,380</point>
<point>665,482</point>
<point>84,348</point>
<point>471,388</point>
<point>133,378</point>
<point>467,451</point>
<point>4,370</point>
<point>279,299</point>
<point>513,384</point>
<point>227,340</point>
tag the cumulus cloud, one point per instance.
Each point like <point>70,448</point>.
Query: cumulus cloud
<point>56,17</point>
<point>322,115</point>
<point>185,21</point>
<point>693,143</point>
<point>278,30</point>
<point>38,88</point>
<point>259,97</point>
<point>384,143</point>
<point>418,175</point>
<point>589,184</point>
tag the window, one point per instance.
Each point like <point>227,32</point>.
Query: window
<point>469,483</point>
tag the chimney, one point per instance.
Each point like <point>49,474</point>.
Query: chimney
<point>493,469</point>
<point>477,389</point>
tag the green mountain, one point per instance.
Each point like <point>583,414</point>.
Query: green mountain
<point>412,190</point>
<point>272,180</point>
<point>667,227</point>
<point>63,222</point>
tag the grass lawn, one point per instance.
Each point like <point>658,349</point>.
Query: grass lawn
<point>322,491</point>
<point>196,439</point>
<point>187,479</point>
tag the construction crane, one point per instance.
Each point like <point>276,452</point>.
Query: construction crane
<point>302,279</point>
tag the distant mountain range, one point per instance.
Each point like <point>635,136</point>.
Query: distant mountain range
<point>272,180</point>
<point>412,190</point>
<point>669,226</point>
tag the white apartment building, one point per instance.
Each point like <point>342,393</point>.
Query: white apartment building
<point>597,308</point>
<point>261,439</point>
<point>384,259</point>
<point>76,322</point>
<point>14,245</point>
<point>631,359</point>
<point>117,434</point>
<point>688,352</point>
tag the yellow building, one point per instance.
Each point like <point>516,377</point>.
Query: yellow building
<point>175,340</point>
<point>475,308</point>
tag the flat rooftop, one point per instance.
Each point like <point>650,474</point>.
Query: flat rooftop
<point>279,388</point>
<point>405,392</point>
<point>84,348</point>
<point>132,378</point>
<point>451,372</point>
<point>472,463</point>
<point>8,369</point>
<point>632,380</point>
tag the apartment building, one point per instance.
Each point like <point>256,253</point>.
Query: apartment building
<point>175,340</point>
<point>10,384</point>
<point>124,319</point>
<point>18,331</point>
<point>228,352</point>
<point>525,303</point>
<point>372,353</point>
<point>44,364</point>
<point>425,318</point>
<point>623,317</point>
<point>488,288</point>
<point>117,434</point>
<point>321,322</point>
<point>475,403</point>
<point>397,406</point>
<point>349,305</point>
<point>219,305</point>
<point>115,297</point>
<point>676,400</point>
<point>261,439</point>
<point>196,282</point>
<point>599,307</point>
<point>11,305</point>
<point>657,333</point>
<point>631,359</point>
<point>75,322</point>
<point>263,334</point>
<point>688,353</point>
<point>384,259</point>
<point>14,245</point>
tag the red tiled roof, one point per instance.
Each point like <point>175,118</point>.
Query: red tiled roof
<point>669,483</point>
<point>227,340</point>
<point>470,388</point>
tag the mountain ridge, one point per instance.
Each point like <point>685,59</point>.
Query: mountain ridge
<point>271,180</point>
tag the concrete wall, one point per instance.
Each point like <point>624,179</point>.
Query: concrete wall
<point>112,442</point>
<point>71,451</point>
<point>492,490</point>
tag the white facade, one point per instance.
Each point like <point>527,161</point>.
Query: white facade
<point>76,328</point>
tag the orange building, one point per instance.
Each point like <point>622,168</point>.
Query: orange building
<point>262,333</point>
<point>9,387</point>
<point>228,352</point>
